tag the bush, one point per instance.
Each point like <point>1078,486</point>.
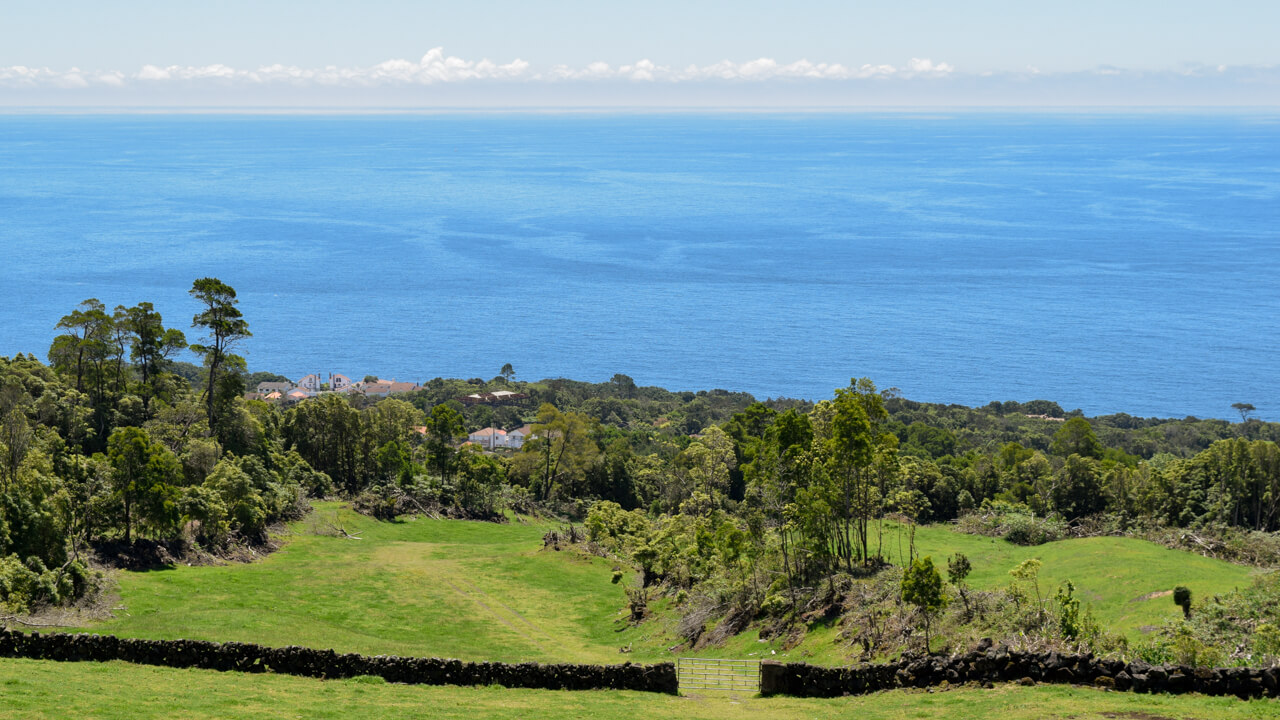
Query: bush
<point>25,585</point>
<point>1181,647</point>
<point>614,528</point>
<point>1031,530</point>
<point>1182,598</point>
<point>1013,522</point>
<point>313,482</point>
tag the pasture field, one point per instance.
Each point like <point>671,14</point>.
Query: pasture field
<point>482,591</point>
<point>33,689</point>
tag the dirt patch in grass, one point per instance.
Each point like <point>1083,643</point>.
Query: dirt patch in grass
<point>1135,715</point>
<point>1152,595</point>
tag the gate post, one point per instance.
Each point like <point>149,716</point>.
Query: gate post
<point>771,677</point>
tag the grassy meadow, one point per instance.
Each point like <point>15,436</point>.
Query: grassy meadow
<point>482,591</point>
<point>31,689</point>
<point>443,588</point>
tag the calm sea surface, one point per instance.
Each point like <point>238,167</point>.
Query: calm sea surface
<point>1110,263</point>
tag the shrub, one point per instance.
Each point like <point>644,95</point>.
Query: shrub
<point>24,585</point>
<point>1182,598</point>
<point>1014,522</point>
<point>1181,647</point>
<point>922,587</point>
<point>1266,640</point>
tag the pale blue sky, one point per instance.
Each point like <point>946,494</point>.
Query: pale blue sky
<point>1082,51</point>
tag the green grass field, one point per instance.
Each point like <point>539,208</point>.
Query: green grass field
<point>32,689</point>
<point>483,591</point>
<point>443,588</point>
<point>1114,576</point>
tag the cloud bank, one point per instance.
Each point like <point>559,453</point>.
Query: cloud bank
<point>439,79</point>
<point>436,67</point>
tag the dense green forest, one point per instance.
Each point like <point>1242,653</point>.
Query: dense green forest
<point>740,510</point>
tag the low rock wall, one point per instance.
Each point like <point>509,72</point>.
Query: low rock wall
<point>247,657</point>
<point>999,664</point>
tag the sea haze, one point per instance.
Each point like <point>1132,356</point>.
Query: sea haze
<point>1111,263</point>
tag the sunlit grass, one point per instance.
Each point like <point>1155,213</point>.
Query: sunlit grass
<point>32,689</point>
<point>483,591</point>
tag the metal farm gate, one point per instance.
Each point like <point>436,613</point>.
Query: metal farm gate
<point>706,674</point>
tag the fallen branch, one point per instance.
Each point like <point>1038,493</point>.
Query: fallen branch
<point>421,509</point>
<point>20,621</point>
<point>337,529</point>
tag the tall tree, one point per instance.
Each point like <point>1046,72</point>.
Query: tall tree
<point>444,426</point>
<point>86,348</point>
<point>15,432</point>
<point>225,326</point>
<point>1076,436</point>
<point>121,340</point>
<point>152,346</point>
<point>779,468</point>
<point>67,353</point>
<point>144,475</point>
<point>567,448</point>
<point>1245,409</point>
<point>857,442</point>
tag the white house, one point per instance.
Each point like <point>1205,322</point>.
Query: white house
<point>266,388</point>
<point>489,438</point>
<point>515,438</point>
<point>311,383</point>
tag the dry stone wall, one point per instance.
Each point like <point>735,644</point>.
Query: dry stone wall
<point>991,664</point>
<point>248,657</point>
<point>984,665</point>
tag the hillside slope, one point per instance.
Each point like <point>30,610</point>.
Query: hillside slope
<point>484,591</point>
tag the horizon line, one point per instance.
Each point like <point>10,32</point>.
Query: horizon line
<point>32,110</point>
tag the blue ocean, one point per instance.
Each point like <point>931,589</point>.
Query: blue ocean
<point>1113,263</point>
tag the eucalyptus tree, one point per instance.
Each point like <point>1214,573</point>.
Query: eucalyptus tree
<point>443,427</point>
<point>781,466</point>
<point>567,449</point>
<point>225,327</point>
<point>85,350</point>
<point>151,346</point>
<point>858,451</point>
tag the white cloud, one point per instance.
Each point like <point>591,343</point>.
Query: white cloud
<point>804,82</point>
<point>925,66</point>
<point>437,67</point>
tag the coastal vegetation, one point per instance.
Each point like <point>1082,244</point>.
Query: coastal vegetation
<point>860,527</point>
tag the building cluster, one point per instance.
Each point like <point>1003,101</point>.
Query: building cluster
<point>314,385</point>
<point>497,397</point>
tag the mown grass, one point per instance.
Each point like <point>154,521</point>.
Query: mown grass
<point>442,588</point>
<point>483,591</point>
<point>31,689</point>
